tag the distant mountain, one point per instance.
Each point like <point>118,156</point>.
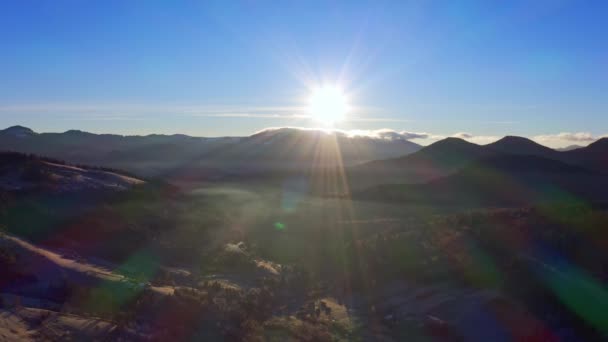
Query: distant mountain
<point>568,148</point>
<point>154,155</point>
<point>20,172</point>
<point>450,155</point>
<point>17,132</point>
<point>146,155</point>
<point>593,156</point>
<point>366,161</point>
<point>302,148</point>
<point>499,180</point>
<point>522,146</point>
<point>434,161</point>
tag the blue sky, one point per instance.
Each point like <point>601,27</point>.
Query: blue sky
<point>488,68</point>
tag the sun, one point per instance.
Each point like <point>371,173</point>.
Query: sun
<point>328,105</point>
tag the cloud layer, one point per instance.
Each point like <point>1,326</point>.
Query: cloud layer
<point>139,112</point>
<point>389,134</point>
<point>552,140</point>
<point>579,138</point>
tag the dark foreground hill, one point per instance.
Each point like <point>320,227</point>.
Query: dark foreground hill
<point>433,161</point>
<point>594,156</point>
<point>501,180</point>
<point>452,154</point>
<point>21,172</point>
<point>237,273</point>
<point>243,262</point>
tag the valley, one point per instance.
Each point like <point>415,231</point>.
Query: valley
<point>512,239</point>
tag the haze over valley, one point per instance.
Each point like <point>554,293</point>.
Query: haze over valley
<point>303,171</point>
<point>289,223</point>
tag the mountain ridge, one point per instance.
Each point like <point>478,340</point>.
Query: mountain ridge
<point>368,160</point>
<point>26,172</point>
<point>156,154</point>
<point>500,180</point>
<point>451,154</point>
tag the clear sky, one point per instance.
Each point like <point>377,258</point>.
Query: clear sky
<point>488,68</point>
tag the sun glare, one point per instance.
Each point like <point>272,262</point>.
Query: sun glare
<point>328,105</point>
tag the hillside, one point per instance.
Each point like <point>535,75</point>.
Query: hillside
<point>20,172</point>
<point>309,149</point>
<point>450,155</point>
<point>431,162</point>
<point>167,155</point>
<point>594,156</point>
<point>145,155</point>
<point>248,261</point>
<point>522,146</point>
<point>501,180</point>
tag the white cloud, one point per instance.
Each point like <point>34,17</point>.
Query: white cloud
<point>252,115</point>
<point>109,111</point>
<point>372,119</point>
<point>388,134</point>
<point>141,112</point>
<point>393,135</point>
<point>567,138</point>
<point>554,141</point>
<point>106,111</point>
<point>477,139</point>
<point>382,134</point>
<point>463,135</point>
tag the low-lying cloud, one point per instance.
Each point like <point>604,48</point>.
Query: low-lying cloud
<point>134,111</point>
<point>579,137</point>
<point>381,134</point>
<point>477,139</point>
<point>552,140</point>
<point>393,135</point>
<point>388,134</point>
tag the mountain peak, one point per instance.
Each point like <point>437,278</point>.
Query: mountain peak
<point>513,139</point>
<point>18,131</point>
<point>452,148</point>
<point>600,143</point>
<point>520,145</point>
<point>452,142</point>
<point>78,133</point>
<point>291,131</point>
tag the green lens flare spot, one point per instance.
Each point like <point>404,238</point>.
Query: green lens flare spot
<point>279,226</point>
